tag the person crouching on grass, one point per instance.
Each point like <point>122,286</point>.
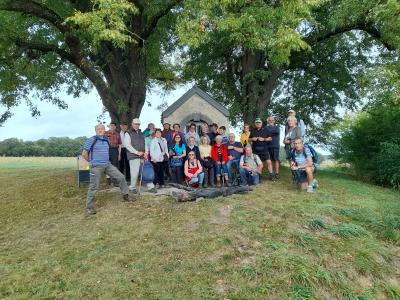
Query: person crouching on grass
<point>301,163</point>
<point>96,152</point>
<point>193,170</point>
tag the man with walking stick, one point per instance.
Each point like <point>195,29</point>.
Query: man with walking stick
<point>136,151</point>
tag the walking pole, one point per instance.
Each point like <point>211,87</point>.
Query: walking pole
<point>141,176</point>
<point>222,174</point>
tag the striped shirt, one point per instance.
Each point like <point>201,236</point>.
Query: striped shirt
<point>99,153</point>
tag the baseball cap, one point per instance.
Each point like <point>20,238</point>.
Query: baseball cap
<point>136,121</point>
<point>258,120</point>
<point>291,111</point>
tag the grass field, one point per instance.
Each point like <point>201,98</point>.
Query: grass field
<point>37,162</point>
<point>342,242</point>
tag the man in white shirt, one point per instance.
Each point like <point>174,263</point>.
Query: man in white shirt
<point>136,150</point>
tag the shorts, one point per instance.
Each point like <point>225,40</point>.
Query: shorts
<point>300,176</point>
<point>274,153</point>
<point>263,155</point>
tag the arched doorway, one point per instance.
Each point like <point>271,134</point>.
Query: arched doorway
<point>196,118</point>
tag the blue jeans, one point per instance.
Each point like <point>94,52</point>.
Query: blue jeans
<point>199,179</point>
<point>218,169</point>
<point>248,177</point>
<point>229,165</point>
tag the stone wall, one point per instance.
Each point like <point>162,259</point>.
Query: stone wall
<point>197,108</point>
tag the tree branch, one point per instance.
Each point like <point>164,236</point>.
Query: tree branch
<point>80,62</point>
<point>366,27</point>
<point>45,48</point>
<point>152,23</point>
<point>37,10</point>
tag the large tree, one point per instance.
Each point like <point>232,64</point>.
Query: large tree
<point>118,46</point>
<point>307,54</point>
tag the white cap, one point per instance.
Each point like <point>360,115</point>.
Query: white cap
<point>136,121</point>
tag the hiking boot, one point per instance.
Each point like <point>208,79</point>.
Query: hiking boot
<point>277,176</point>
<point>272,176</point>
<point>134,191</point>
<point>153,190</point>
<point>310,189</point>
<point>126,198</point>
<point>315,183</point>
<point>90,212</point>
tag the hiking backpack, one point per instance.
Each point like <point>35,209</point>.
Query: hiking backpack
<point>96,138</point>
<point>314,154</point>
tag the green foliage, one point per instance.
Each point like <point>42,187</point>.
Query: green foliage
<point>389,163</point>
<point>370,143</point>
<point>106,22</point>
<point>259,57</point>
<point>59,147</point>
<point>49,47</point>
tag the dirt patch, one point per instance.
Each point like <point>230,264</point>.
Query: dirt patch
<point>222,288</point>
<point>222,217</point>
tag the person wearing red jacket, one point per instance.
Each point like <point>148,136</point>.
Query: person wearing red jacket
<point>219,154</point>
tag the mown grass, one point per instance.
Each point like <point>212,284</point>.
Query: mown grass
<point>37,162</point>
<point>342,242</point>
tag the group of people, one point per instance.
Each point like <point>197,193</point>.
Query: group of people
<point>210,158</point>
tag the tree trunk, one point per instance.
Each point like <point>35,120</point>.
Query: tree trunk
<point>126,74</point>
<point>257,89</point>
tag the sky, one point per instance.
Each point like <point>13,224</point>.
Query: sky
<point>79,119</point>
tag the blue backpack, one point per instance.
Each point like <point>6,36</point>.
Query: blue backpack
<point>313,153</point>
<point>148,172</point>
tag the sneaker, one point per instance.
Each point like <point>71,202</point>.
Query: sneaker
<point>126,198</point>
<point>315,183</point>
<point>310,189</point>
<point>227,183</point>
<point>277,176</point>
<point>153,190</point>
<point>205,185</point>
<point>133,191</point>
<point>90,212</point>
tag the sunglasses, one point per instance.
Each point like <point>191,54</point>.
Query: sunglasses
<point>191,154</point>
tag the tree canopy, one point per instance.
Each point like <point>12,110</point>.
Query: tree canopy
<point>315,56</point>
<point>119,47</point>
<point>312,56</point>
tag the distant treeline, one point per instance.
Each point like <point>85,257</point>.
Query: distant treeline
<point>54,146</point>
